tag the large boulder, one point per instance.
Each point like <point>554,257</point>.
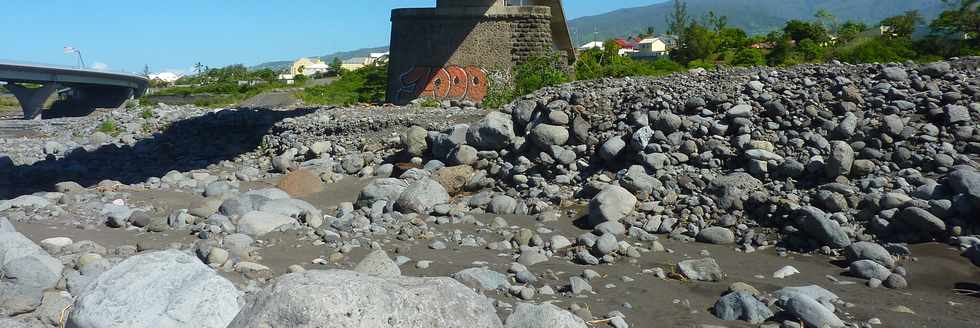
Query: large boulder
<point>6,226</point>
<point>841,159</point>
<point>613,203</point>
<point>338,298</point>
<point>741,305</point>
<point>819,226</point>
<point>300,183</point>
<point>422,196</point>
<point>379,264</point>
<point>545,315</point>
<point>811,312</point>
<point>168,289</point>
<point>705,269</point>
<point>864,250</point>
<point>387,189</point>
<point>482,278</point>
<point>414,141</point>
<point>921,220</point>
<point>546,135</point>
<point>26,264</point>
<point>256,223</point>
<point>493,132</point>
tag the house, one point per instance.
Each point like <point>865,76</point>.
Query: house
<point>356,63</point>
<point>626,47</point>
<point>652,47</point>
<point>287,78</point>
<point>309,67</point>
<point>592,45</point>
<point>166,77</point>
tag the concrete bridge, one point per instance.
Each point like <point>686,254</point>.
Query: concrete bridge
<point>84,88</point>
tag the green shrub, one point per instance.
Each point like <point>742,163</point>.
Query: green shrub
<point>365,85</point>
<point>877,50</point>
<point>537,73</point>
<point>749,57</point>
<point>498,94</point>
<point>109,127</point>
<point>430,103</point>
<point>146,114</point>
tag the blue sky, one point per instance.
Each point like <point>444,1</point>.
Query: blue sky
<point>172,35</point>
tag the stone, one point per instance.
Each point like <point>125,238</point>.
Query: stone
<point>578,285</point>
<point>493,132</point>
<point>422,196</point>
<point>378,263</point>
<point>869,269</point>
<point>544,315</point>
<point>741,306</point>
<point>502,204</point>
<point>387,189</point>
<point>811,312</point>
<point>864,250</point>
<point>896,281</point>
<point>841,159</point>
<point>6,226</point>
<point>54,244</point>
<point>464,155</point>
<point>935,69</point>
<point>701,270</point>
<point>606,244</point>
<point>545,135</point>
<point>482,278</point>
<point>921,219</point>
<point>956,114</point>
<point>256,223</point>
<point>359,300</point>
<point>716,235</point>
<point>613,203</point>
<point>897,74</point>
<point>167,289</point>
<point>25,264</point>
<point>414,141</point>
<point>819,226</point>
<point>610,150</point>
<point>29,201</point>
<point>560,242</point>
<point>300,183</point>
<point>740,110</point>
<point>453,178</point>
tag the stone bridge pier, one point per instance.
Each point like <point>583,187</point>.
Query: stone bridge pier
<point>451,51</point>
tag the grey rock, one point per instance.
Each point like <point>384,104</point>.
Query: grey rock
<point>6,226</point>
<point>935,69</point>
<point>612,148</point>
<point>256,223</point>
<point>546,135</point>
<point>482,278</point>
<point>868,269</point>
<point>465,155</point>
<point>864,250</point>
<point>606,244</point>
<point>741,306</point>
<point>611,204</point>
<point>841,159</point>
<point>578,285</point>
<point>493,132</point>
<point>818,225</point>
<point>701,269</point>
<point>379,264</point>
<point>502,204</point>
<point>811,312</point>
<point>957,114</point>
<point>895,73</point>
<point>358,300</point>
<point>544,315</point>
<point>921,219</point>
<point>414,141</point>
<point>716,235</point>
<point>26,264</point>
<point>387,189</point>
<point>162,289</point>
<point>422,196</point>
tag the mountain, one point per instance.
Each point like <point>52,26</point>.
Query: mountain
<point>278,65</point>
<point>753,16</point>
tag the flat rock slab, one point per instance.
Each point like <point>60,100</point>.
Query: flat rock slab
<point>339,298</point>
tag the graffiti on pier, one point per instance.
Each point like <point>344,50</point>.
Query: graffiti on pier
<point>444,83</point>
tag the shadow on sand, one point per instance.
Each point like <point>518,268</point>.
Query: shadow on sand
<point>187,145</point>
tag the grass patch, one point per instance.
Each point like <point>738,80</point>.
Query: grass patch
<point>430,103</point>
<point>365,85</point>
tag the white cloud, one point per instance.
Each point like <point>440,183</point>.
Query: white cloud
<point>100,66</point>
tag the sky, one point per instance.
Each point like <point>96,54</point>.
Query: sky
<point>173,35</point>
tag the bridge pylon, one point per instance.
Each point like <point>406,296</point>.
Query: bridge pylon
<point>32,99</point>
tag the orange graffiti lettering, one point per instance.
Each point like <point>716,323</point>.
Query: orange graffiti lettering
<point>444,83</point>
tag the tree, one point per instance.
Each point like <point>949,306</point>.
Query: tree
<point>198,68</point>
<point>904,25</point>
<point>733,38</point>
<point>850,30</point>
<point>678,22</point>
<point>798,30</point>
<point>336,65</point>
<point>962,18</point>
<point>146,71</point>
<point>717,22</point>
<point>810,50</point>
<point>697,42</point>
<point>827,20</point>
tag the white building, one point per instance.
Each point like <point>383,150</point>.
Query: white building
<point>651,47</point>
<point>167,77</point>
<point>592,45</point>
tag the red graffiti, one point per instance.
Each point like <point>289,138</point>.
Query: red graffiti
<point>444,83</point>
